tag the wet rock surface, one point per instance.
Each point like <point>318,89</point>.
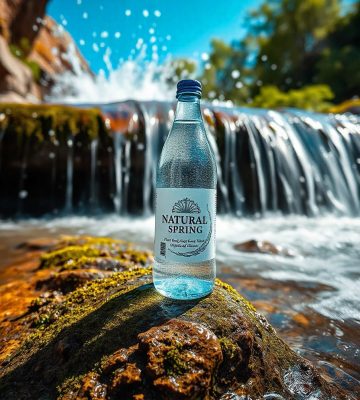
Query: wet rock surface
<point>263,246</point>
<point>116,337</point>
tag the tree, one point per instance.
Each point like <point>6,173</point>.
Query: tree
<point>339,61</point>
<point>288,33</point>
<point>180,68</point>
<point>225,73</point>
<point>290,44</point>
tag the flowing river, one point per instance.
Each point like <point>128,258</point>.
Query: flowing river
<point>309,291</point>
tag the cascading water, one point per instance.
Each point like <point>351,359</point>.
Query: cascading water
<point>287,161</point>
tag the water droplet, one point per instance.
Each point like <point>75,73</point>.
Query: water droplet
<point>117,35</point>
<point>157,13</point>
<point>163,48</point>
<point>139,43</point>
<point>151,31</point>
<point>85,15</point>
<point>273,67</point>
<point>152,39</point>
<point>239,85</point>
<point>95,47</point>
<point>145,13</point>
<point>70,142</point>
<point>51,155</point>
<point>81,42</point>
<point>302,179</point>
<point>235,74</point>
<point>34,115</point>
<point>23,194</point>
<point>128,12</point>
<point>264,57</point>
<point>35,28</point>
<point>168,37</point>
<point>104,34</point>
<point>2,117</point>
<point>204,56</point>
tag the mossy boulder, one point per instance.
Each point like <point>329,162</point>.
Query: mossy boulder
<point>117,338</point>
<point>47,163</point>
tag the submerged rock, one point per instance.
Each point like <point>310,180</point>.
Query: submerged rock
<point>262,246</point>
<point>116,337</point>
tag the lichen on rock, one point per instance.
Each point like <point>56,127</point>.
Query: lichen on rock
<point>50,122</point>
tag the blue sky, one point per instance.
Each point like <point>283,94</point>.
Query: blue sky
<point>181,28</point>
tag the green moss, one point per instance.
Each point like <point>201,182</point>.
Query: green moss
<point>68,255</point>
<point>82,301</point>
<point>174,365</point>
<point>75,253</point>
<point>20,51</point>
<point>89,240</point>
<point>228,347</point>
<point>54,123</point>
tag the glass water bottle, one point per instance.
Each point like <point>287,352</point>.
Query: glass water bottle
<point>185,209</point>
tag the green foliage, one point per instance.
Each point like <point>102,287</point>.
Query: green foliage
<point>50,122</point>
<point>181,68</point>
<point>300,53</point>
<point>35,69</point>
<point>314,97</point>
<point>20,51</point>
<point>287,35</point>
<point>221,77</point>
<point>339,60</point>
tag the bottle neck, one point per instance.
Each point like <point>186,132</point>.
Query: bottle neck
<point>188,108</point>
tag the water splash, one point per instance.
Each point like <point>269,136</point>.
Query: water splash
<point>136,79</point>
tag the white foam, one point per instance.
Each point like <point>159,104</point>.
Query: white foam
<point>326,250</point>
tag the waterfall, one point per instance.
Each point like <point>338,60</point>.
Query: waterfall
<point>69,177</point>
<point>93,185</point>
<point>118,140</point>
<point>287,161</point>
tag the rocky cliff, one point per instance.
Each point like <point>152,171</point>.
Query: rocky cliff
<point>33,50</point>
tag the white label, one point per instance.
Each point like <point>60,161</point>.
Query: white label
<point>185,224</point>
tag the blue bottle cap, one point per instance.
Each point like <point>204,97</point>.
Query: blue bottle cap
<point>188,86</point>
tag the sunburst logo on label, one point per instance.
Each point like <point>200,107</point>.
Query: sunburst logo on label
<point>186,206</point>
